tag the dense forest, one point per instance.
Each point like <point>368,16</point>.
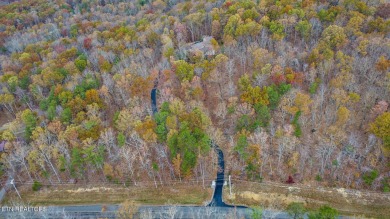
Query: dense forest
<point>294,88</point>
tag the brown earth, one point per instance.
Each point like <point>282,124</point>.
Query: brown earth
<point>278,196</point>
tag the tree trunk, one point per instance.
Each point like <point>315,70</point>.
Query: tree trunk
<point>51,165</point>
<point>28,172</point>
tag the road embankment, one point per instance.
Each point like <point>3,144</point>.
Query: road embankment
<point>278,196</point>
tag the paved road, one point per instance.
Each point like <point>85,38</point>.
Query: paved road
<point>217,197</point>
<point>154,100</point>
<point>95,211</point>
<point>146,212</point>
<point>217,201</point>
<point>83,212</point>
<point>153,95</point>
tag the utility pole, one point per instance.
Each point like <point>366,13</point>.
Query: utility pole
<point>12,183</point>
<point>230,185</point>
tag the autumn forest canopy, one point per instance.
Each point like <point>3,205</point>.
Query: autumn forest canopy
<point>286,88</point>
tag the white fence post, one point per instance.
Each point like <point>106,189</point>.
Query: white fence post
<point>230,185</point>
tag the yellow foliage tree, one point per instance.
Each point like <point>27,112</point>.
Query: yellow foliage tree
<point>254,95</point>
<point>301,103</point>
<point>177,107</point>
<point>342,115</point>
<point>124,120</point>
<point>381,128</point>
<point>146,129</point>
<point>177,164</point>
<point>108,170</point>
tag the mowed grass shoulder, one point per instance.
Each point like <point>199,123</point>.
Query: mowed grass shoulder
<point>111,194</point>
